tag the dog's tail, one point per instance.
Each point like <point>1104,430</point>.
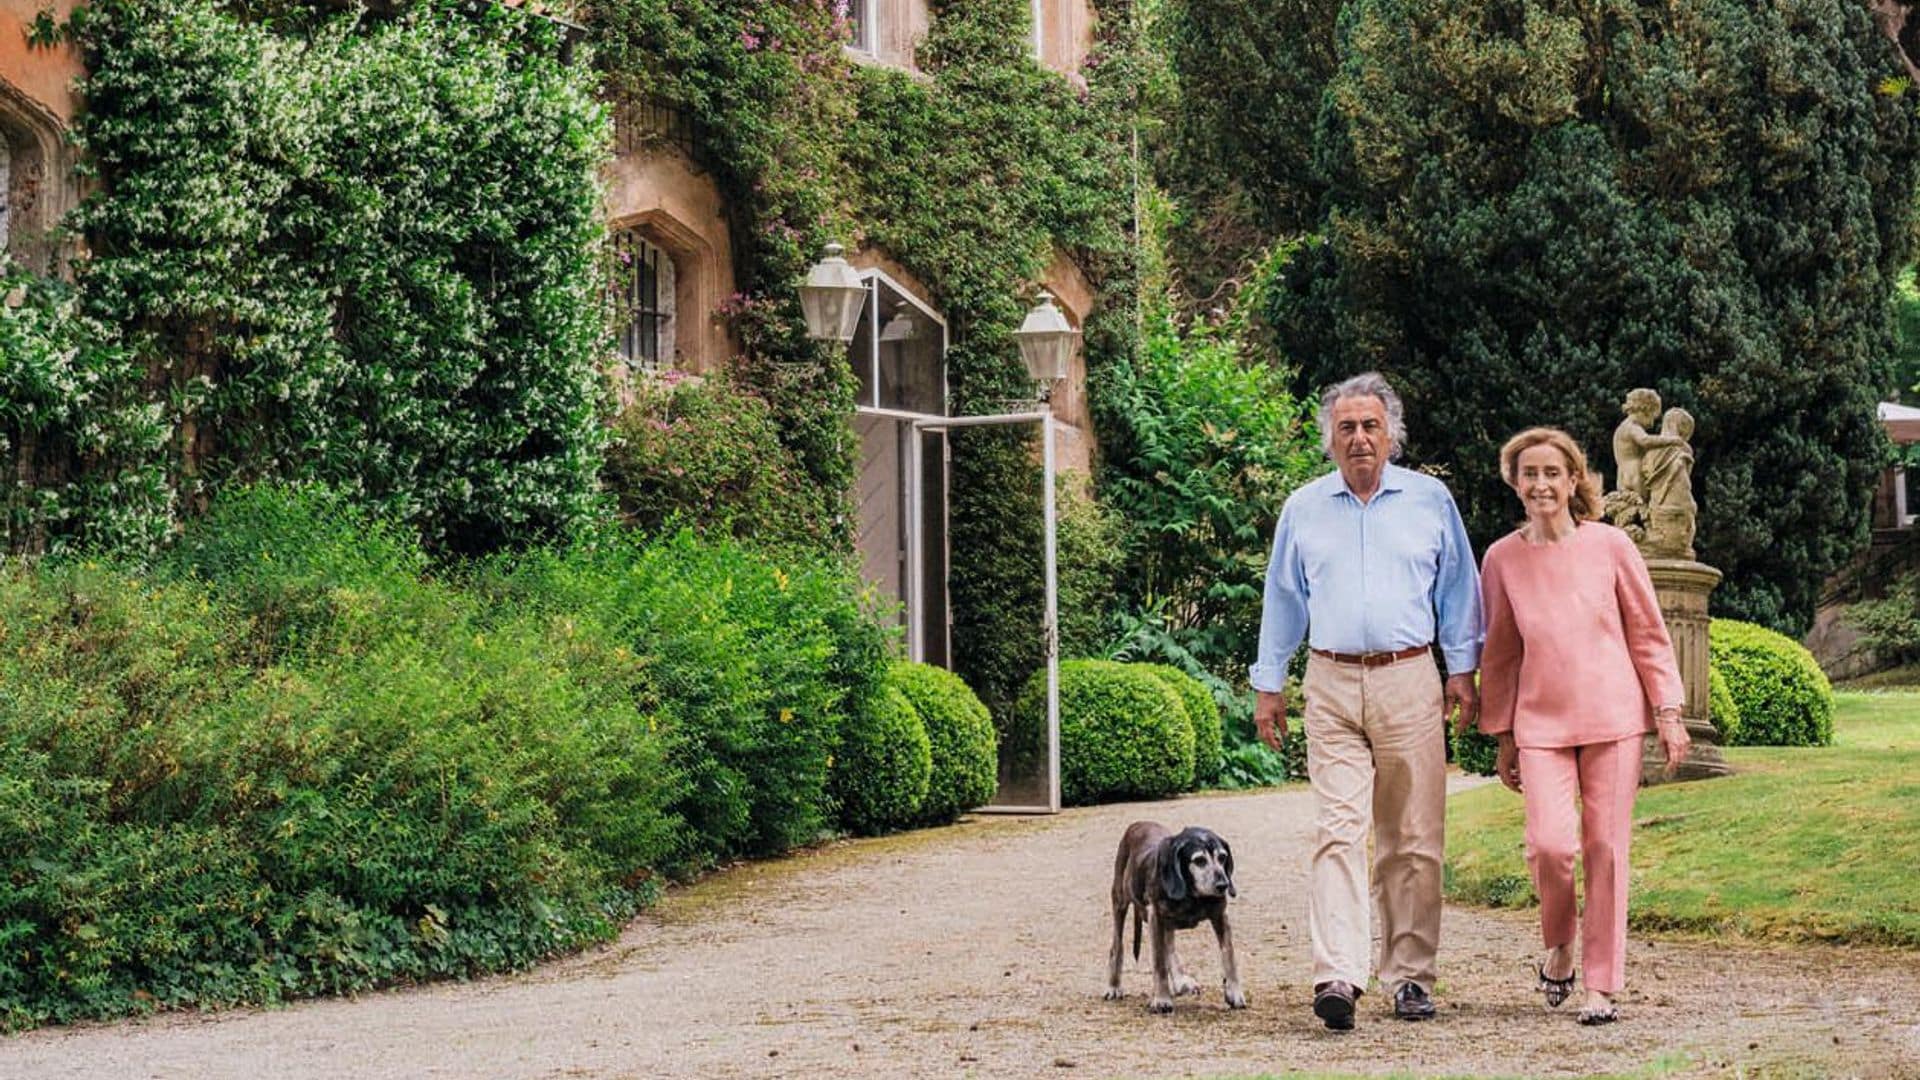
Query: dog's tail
<point>1139,918</point>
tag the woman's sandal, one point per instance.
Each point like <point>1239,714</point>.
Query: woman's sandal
<point>1557,990</point>
<point>1594,1017</point>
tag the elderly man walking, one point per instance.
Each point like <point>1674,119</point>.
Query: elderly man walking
<point>1371,564</point>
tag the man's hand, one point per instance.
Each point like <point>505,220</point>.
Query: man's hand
<point>1506,762</point>
<point>1463,694</point>
<point>1270,717</point>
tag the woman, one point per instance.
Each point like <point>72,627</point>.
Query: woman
<point>1577,668</point>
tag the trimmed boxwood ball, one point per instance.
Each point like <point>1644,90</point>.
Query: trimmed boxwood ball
<point>1779,692</point>
<point>1203,712</point>
<point>1725,713</point>
<point>1123,732</point>
<point>881,773</point>
<point>959,731</point>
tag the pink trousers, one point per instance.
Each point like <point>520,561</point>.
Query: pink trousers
<point>1580,801</point>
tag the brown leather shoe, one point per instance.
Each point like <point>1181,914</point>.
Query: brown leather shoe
<point>1411,1002</point>
<point>1333,1003</point>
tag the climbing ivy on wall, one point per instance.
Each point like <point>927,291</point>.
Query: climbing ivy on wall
<point>352,250</point>
<point>969,173</point>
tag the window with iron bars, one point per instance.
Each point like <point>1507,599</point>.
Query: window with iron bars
<point>644,276</point>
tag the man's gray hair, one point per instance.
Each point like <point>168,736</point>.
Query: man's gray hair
<point>1366,384</point>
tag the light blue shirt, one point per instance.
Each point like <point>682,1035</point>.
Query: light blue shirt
<point>1377,576</point>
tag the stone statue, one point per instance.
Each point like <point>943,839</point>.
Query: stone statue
<point>1653,501</point>
<point>1667,472</point>
<point>1653,495</point>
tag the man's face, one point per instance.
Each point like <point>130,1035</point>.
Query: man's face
<point>1644,413</point>
<point>1361,444</point>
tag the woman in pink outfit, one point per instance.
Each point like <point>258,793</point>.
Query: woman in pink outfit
<point>1577,668</point>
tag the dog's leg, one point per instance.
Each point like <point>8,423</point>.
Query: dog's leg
<point>1223,931</point>
<point>1183,983</point>
<point>1117,953</point>
<point>1162,1000</point>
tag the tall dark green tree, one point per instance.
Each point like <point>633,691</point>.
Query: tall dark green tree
<point>1536,205</point>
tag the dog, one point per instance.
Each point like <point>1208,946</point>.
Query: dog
<point>1172,881</point>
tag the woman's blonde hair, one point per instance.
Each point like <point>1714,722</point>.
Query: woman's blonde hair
<point>1585,502</point>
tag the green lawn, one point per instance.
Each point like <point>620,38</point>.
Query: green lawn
<point>1801,844</point>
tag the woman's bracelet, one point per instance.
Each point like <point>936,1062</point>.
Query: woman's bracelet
<point>1669,714</point>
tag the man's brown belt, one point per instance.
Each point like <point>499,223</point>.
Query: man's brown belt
<point>1373,659</point>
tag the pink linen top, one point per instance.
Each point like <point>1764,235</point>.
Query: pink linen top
<point>1576,650</point>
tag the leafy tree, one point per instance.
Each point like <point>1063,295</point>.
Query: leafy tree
<point>1536,205</point>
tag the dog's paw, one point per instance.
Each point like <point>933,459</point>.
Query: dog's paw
<point>1113,994</point>
<point>1236,998</point>
<point>1160,1005</point>
<point>1184,985</point>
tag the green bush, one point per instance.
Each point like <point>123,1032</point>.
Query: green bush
<point>443,790</point>
<point>754,663</point>
<point>1890,626</point>
<point>1092,552</point>
<point>1725,712</point>
<point>1473,752</point>
<point>1123,732</point>
<point>1202,712</point>
<point>881,773</point>
<point>706,453</point>
<point>959,733</point>
<point>1779,692</point>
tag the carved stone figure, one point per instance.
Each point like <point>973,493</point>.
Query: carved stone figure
<point>1639,457</point>
<point>1667,473</point>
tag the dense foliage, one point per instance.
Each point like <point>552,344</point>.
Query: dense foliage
<point>881,772</point>
<point>1202,450</point>
<point>1779,692</point>
<point>1890,625</point>
<point>959,733</point>
<point>1535,206</point>
<point>82,441</point>
<point>1123,732</point>
<point>288,760</point>
<point>357,252</point>
<point>706,453</point>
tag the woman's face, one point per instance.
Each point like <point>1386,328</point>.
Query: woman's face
<point>1544,482</point>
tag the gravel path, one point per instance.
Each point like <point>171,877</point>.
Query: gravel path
<point>978,950</point>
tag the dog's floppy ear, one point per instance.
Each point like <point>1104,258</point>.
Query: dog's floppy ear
<point>1174,884</point>
<point>1226,860</point>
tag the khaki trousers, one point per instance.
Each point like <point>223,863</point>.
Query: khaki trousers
<point>1376,756</point>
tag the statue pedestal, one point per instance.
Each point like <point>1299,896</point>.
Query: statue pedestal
<point>1683,586</point>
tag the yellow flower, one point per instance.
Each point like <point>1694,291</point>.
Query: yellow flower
<point>786,716</point>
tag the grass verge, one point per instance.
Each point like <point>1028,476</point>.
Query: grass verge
<point>1802,844</point>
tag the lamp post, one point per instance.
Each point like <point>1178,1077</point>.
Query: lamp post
<point>1046,344</point>
<point>831,298</point>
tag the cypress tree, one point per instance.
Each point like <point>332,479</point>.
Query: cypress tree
<point>1536,205</point>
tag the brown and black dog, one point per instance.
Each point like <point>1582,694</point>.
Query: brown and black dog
<point>1172,881</point>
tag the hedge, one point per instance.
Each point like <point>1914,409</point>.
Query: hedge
<point>293,758</point>
<point>1123,732</point>
<point>1781,695</point>
<point>960,734</point>
<point>1725,713</point>
<point>1202,712</point>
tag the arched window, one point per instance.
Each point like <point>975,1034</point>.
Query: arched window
<point>645,278</point>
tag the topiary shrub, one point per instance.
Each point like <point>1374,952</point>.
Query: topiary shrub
<point>1726,713</point>
<point>881,772</point>
<point>1123,732</point>
<point>959,733</point>
<point>1202,712</point>
<point>1473,752</point>
<point>1779,692</point>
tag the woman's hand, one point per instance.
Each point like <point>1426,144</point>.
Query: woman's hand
<point>1673,738</point>
<point>1506,764</point>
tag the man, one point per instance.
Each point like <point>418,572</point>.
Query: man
<point>1371,563</point>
